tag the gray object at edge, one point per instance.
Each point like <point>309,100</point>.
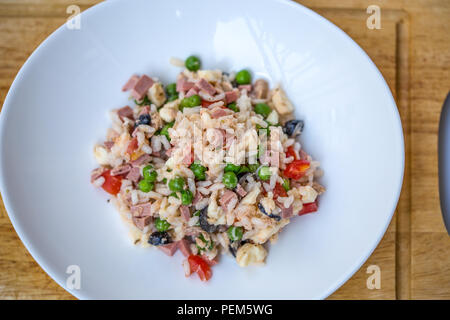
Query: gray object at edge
<point>444,162</point>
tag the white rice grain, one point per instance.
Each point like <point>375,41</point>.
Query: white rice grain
<point>165,142</point>
<point>156,143</point>
<point>176,62</point>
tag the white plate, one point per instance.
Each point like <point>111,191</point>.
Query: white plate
<point>57,109</point>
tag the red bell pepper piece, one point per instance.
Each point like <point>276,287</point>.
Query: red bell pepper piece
<point>296,169</point>
<point>309,207</point>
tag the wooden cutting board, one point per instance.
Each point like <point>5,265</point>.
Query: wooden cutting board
<point>412,50</point>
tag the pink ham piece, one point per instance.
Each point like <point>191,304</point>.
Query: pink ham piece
<point>204,85</point>
<point>240,191</point>
<point>108,144</point>
<point>169,248</point>
<point>185,212</point>
<point>134,174</point>
<point>141,87</point>
<point>183,85</point>
<point>231,96</point>
<point>125,168</point>
<point>125,112</point>
<point>130,83</point>
<point>141,222</point>
<point>286,212</point>
<point>226,199</point>
<point>191,92</point>
<point>97,173</point>
<point>197,198</point>
<point>141,160</point>
<point>218,112</point>
<point>142,210</point>
<point>184,247</point>
<point>247,87</point>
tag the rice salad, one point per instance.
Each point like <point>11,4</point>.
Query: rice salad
<point>209,164</point>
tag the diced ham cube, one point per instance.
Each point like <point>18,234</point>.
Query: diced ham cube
<point>125,168</point>
<point>108,144</point>
<point>204,85</point>
<point>240,191</point>
<point>141,222</point>
<point>134,174</point>
<point>141,87</point>
<point>286,212</point>
<point>130,83</point>
<point>191,92</point>
<point>184,247</point>
<point>227,197</point>
<point>142,210</point>
<point>185,212</point>
<point>141,160</point>
<point>183,85</point>
<point>197,198</point>
<point>125,112</point>
<point>218,112</point>
<point>231,96</point>
<point>169,248</point>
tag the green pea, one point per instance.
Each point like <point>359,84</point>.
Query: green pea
<point>164,180</point>
<point>264,173</point>
<point>190,102</point>
<point>171,89</point>
<point>186,197</point>
<point>149,174</point>
<point>235,233</point>
<point>165,130</point>
<point>199,171</point>
<point>253,167</point>
<point>243,77</point>
<point>174,194</point>
<point>161,225</point>
<point>232,168</point>
<point>262,109</point>
<point>146,186</point>
<point>176,184</point>
<point>192,63</point>
<point>243,169</point>
<point>233,107</point>
<point>286,184</point>
<point>230,180</point>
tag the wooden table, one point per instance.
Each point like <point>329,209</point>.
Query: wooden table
<point>412,50</point>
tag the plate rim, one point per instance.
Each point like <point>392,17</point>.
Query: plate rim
<point>295,6</point>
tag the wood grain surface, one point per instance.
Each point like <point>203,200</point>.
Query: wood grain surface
<point>412,50</point>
